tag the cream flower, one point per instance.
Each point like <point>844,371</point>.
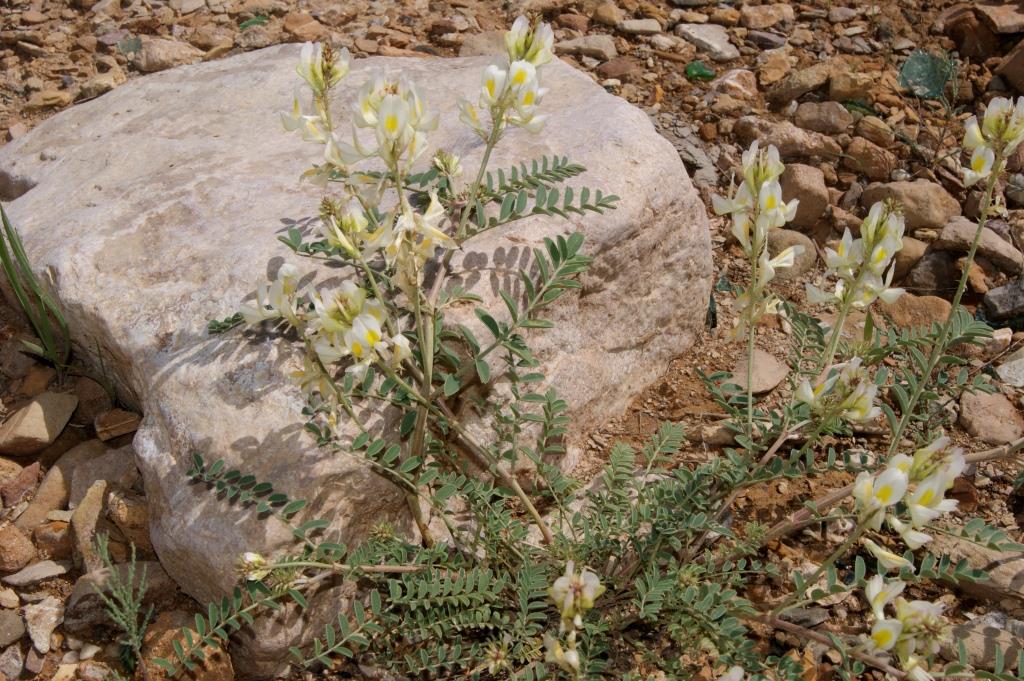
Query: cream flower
<point>531,45</point>
<point>887,559</point>
<point>880,593</point>
<point>574,593</point>
<point>885,633</point>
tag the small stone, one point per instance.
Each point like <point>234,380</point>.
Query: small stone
<point>159,54</point>
<point>830,118</point>
<point>800,82</point>
<point>781,239</point>
<point>925,204</point>
<point>36,572</point>
<point>608,14</point>
<point>54,540</point>
<point>116,422</point>
<point>304,27</point>
<point>93,400</point>
<point>991,418</point>
<point>765,16</point>
<point>710,38</point>
<point>766,40</point>
<point>99,84</point>
<point>958,234</point>
<point>870,159</point>
<point>37,380</point>
<point>876,130</point>
<point>54,491</point>
<point>12,661</point>
<point>37,424</point>
<point>908,256</point>
<point>934,274</point>
<point>807,184</point>
<point>41,619</point>
<point>718,434</point>
<point>187,6</point>
<point>1002,17</point>
<point>46,99</point>
<point>913,311</point>
<point>791,141</point>
<point>21,486</point>
<point>768,372</point>
<point>16,550</point>
<point>577,22</point>
<point>1005,301</point>
<point>773,67</point>
<point>116,466</point>
<point>738,83</point>
<point>620,68</point>
<point>11,628</point>
<point>130,513</point>
<point>838,15</point>
<point>850,85</point>
<point>84,523</point>
<point>597,45</point>
<point>724,16</point>
<point>640,27</point>
<point>482,44</point>
<point>8,598</point>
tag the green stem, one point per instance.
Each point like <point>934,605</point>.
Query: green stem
<point>939,348</point>
<point>795,597</point>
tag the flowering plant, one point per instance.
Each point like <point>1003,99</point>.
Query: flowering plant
<point>646,567</point>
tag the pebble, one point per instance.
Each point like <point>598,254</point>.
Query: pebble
<point>781,239</point>
<point>959,233</point>
<point>925,203</point>
<point>16,550</point>
<point>12,662</point>
<point>640,27</point>
<point>807,184</point>
<point>11,627</point>
<point>36,572</point>
<point>767,374</point>
<point>913,311</point>
<point>37,424</point>
<point>598,46</point>
<point>765,16</point>
<point>991,418</point>
<point>41,619</point>
<point>710,38</point>
<point>18,488</point>
<point>830,118</point>
<point>869,159</point>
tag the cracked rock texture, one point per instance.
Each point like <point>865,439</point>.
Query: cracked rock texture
<point>156,207</point>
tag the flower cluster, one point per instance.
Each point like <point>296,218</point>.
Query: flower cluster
<point>865,266</point>
<point>920,482</point>
<point>914,633</point>
<point>574,594</point>
<point>994,140</point>
<point>510,90</point>
<point>321,68</point>
<point>845,391</point>
<point>756,208</point>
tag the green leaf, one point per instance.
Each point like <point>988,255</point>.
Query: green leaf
<point>483,371</point>
<point>451,385</point>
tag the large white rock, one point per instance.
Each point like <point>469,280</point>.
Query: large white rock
<point>156,208</point>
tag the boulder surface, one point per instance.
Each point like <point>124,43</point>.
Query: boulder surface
<point>156,208</point>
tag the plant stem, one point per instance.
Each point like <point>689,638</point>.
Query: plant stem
<point>939,348</point>
<point>813,579</point>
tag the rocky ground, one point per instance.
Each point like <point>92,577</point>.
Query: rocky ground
<point>819,79</point>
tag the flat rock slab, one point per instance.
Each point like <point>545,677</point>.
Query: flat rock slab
<point>156,208</point>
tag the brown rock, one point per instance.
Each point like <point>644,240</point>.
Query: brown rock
<point>46,99</point>
<point>55,487</point>
<point>725,16</point>
<point>830,118</point>
<point>1002,17</point>
<point>8,470</point>
<point>130,513</point>
<point>912,311</point>
<point>304,27</point>
<point>576,22</point>
<point>870,159</point>
<point>16,551</point>
<point>758,17</point>
<point>84,523</point>
<point>21,486</point>
<point>116,466</point>
<point>37,424</point>
<point>93,400</point>
<point>925,204</point>
<point>912,251</point>
<point>54,540</point>
<point>1004,570</point>
<point>37,380</point>
<point>1012,67</point>
<point>800,82</point>
<point>158,54</point>
<point>608,14</point>
<point>116,422</point>
<point>846,84</point>
<point>768,372</point>
<point>875,130</point>
<point>791,141</point>
<point>807,184</point>
<point>974,39</point>
<point>959,233</point>
<point>991,418</point>
<point>781,239</point>
<point>216,665</point>
<point>620,67</point>
<point>85,609</point>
